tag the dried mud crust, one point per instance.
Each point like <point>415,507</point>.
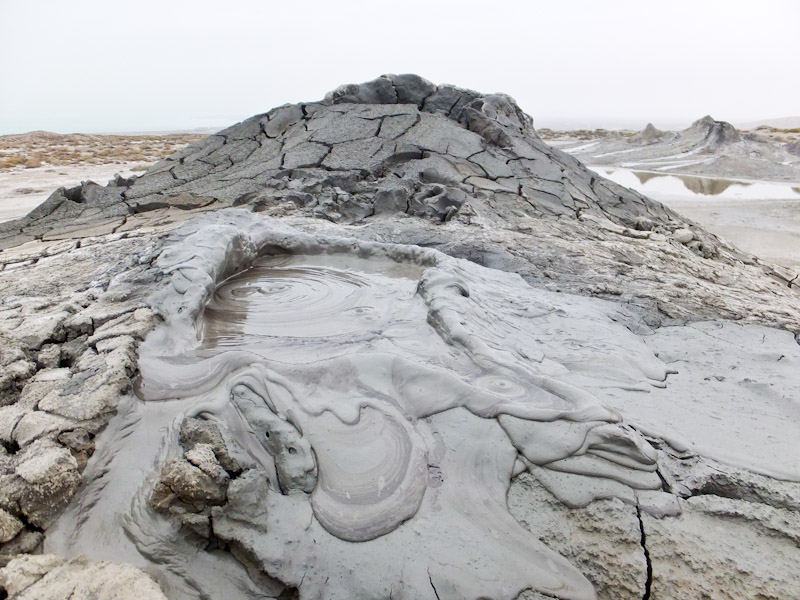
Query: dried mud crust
<point>50,577</point>
<point>70,327</point>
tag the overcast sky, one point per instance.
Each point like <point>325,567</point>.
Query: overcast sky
<point>104,66</point>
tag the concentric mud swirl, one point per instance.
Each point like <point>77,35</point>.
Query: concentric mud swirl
<point>372,474</point>
<point>501,386</point>
<point>305,301</point>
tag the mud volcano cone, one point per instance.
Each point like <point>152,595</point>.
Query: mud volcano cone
<point>648,135</point>
<point>398,144</point>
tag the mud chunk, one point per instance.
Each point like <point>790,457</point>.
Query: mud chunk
<point>184,482</point>
<point>200,431</point>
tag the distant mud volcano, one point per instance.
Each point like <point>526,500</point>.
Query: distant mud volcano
<point>391,345</point>
<point>716,133</point>
<point>648,135</point>
<point>707,147</point>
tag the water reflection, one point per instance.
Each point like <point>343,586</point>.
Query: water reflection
<point>668,186</point>
<point>643,176</point>
<point>706,186</point>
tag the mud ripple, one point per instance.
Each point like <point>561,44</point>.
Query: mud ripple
<point>295,302</point>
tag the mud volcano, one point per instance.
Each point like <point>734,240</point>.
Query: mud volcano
<point>392,345</point>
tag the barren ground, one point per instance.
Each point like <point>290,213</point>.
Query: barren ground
<point>34,164</point>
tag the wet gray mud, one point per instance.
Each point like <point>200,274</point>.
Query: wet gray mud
<point>376,402</point>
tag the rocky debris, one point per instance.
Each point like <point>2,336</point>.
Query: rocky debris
<point>44,478</point>
<point>69,338</point>
<point>682,236</point>
<point>190,486</point>
<point>399,161</point>
<point>50,577</point>
<point>198,481</point>
<point>195,431</point>
<point>10,526</point>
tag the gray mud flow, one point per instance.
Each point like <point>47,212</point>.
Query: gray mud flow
<point>377,407</point>
<point>341,384</point>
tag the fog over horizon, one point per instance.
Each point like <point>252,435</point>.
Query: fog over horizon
<point>90,66</point>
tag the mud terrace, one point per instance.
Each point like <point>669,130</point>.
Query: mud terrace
<point>391,345</point>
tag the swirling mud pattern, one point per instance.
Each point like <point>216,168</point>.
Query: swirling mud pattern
<point>274,298</point>
<point>376,408</point>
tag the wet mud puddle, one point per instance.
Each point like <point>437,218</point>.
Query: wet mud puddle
<point>287,301</point>
<point>295,308</point>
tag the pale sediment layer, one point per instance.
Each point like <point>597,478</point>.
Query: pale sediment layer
<point>318,396</point>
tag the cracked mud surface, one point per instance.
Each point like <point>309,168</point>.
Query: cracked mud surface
<point>422,411</point>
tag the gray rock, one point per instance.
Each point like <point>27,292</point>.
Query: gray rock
<point>10,526</point>
<point>24,572</point>
<point>44,480</point>
<point>196,431</point>
<point>12,379</point>
<point>437,201</point>
<point>189,484</point>
<point>26,542</point>
<point>378,91</point>
<point>682,236</point>
<point>412,89</point>
<point>393,200</point>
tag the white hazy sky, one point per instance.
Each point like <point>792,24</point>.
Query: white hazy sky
<point>114,65</point>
